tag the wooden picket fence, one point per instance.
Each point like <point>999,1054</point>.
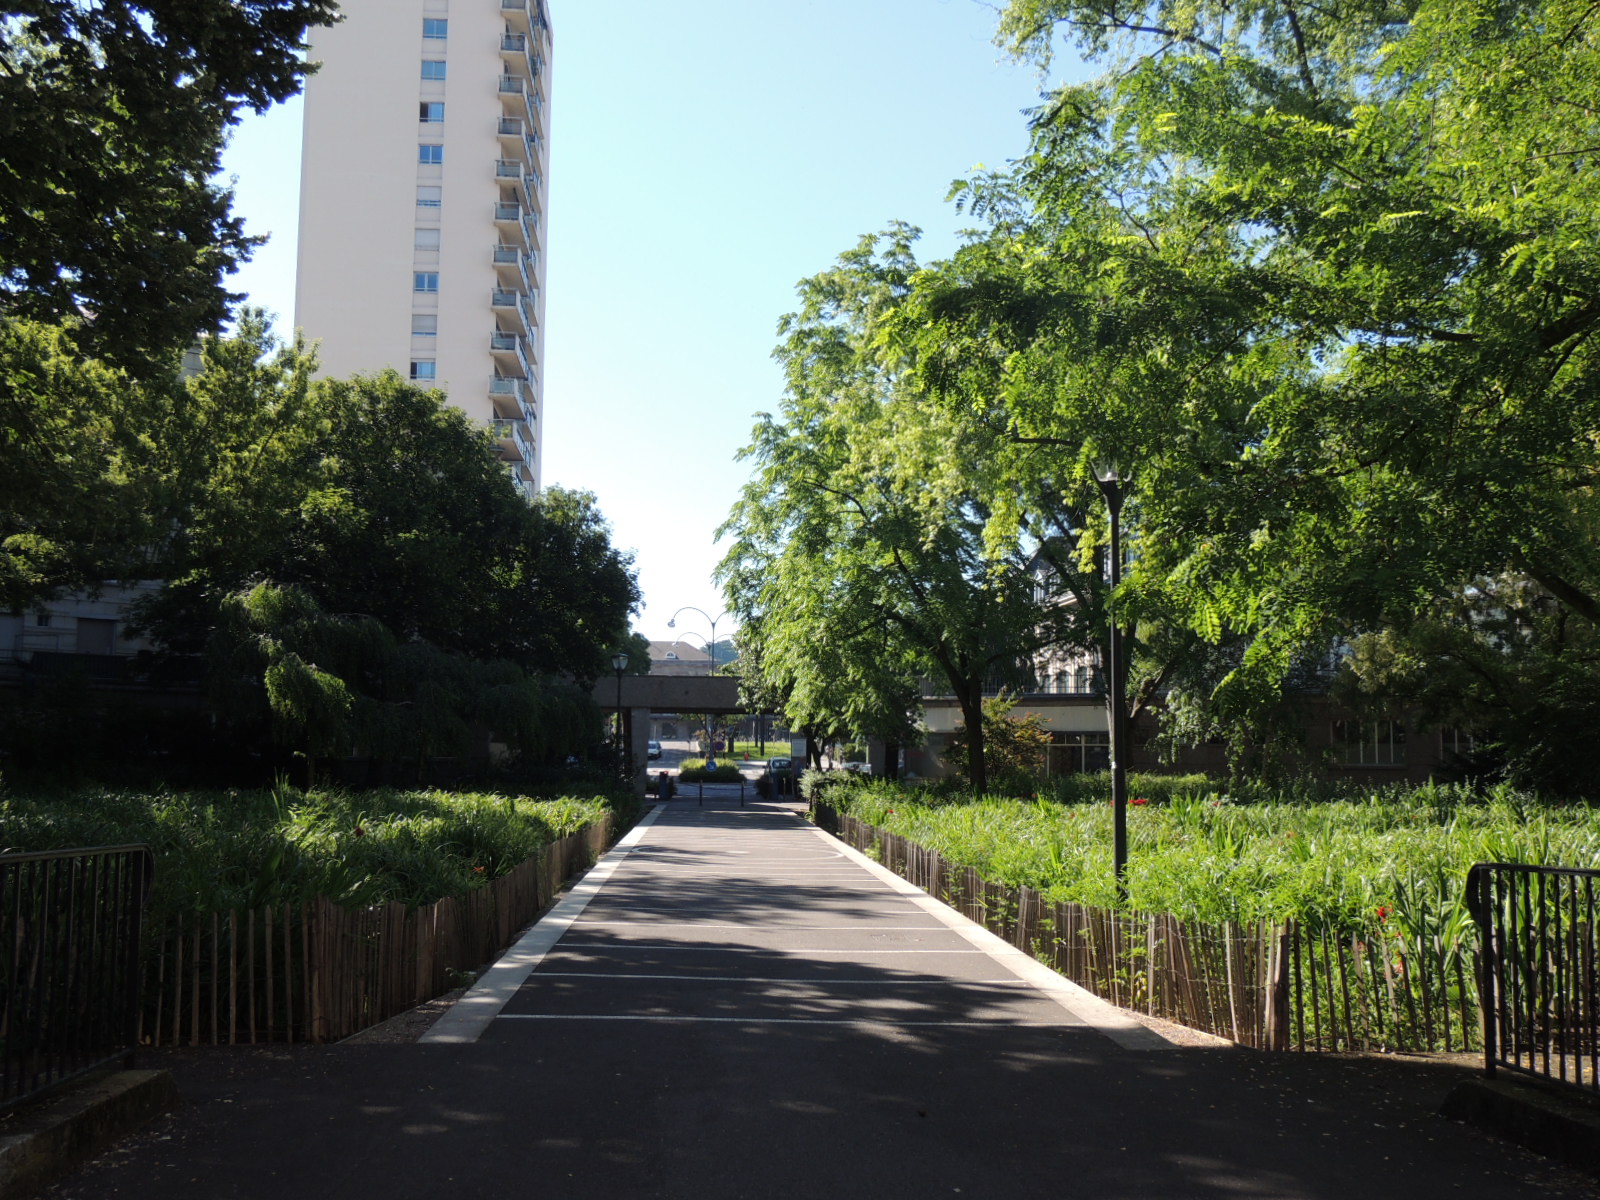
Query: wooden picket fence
<point>316,972</point>
<point>1273,986</point>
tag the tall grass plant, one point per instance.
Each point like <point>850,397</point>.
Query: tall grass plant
<point>245,848</point>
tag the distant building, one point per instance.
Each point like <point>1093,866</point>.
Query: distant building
<point>422,204</point>
<point>678,658</point>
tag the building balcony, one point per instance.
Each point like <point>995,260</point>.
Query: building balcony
<point>509,168</point>
<point>510,354</point>
<point>514,90</point>
<point>512,224</point>
<point>518,15</point>
<point>514,46</point>
<point>515,141</point>
<point>508,307</point>
<point>513,266</point>
<point>509,397</point>
<point>514,440</point>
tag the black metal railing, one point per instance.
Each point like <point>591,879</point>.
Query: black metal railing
<point>70,922</point>
<point>1540,980</point>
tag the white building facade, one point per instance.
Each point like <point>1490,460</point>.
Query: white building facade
<point>422,204</point>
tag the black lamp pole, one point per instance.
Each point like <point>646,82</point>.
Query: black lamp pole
<point>619,663</point>
<point>1114,488</point>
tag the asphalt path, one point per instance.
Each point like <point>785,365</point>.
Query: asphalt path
<point>735,1005</point>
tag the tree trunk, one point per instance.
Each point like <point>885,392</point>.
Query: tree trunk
<point>813,751</point>
<point>970,697</point>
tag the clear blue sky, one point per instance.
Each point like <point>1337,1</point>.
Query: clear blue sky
<point>704,158</point>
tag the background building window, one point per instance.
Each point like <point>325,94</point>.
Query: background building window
<point>427,238</point>
<point>424,370</point>
<point>436,28</point>
<point>424,324</point>
<point>430,153</point>
<point>431,112</point>
<point>96,635</point>
<point>425,281</point>
<point>430,197</point>
<point>433,68</point>
<point>1371,743</point>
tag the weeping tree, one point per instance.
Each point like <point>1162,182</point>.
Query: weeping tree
<point>330,685</point>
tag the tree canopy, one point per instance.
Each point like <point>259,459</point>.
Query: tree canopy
<point>1325,282</point>
<point>113,117</point>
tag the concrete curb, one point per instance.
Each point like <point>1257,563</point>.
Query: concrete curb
<point>1534,1117</point>
<point>64,1130</point>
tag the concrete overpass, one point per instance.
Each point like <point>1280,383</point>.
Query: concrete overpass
<point>646,694</point>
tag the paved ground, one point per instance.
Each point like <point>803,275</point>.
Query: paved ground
<point>744,1009</point>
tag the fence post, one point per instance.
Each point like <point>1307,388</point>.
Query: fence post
<point>1478,903</point>
<point>1277,1031</point>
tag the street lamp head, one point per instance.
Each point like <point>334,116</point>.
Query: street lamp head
<point>619,662</point>
<point>1106,469</point>
<point>672,622</point>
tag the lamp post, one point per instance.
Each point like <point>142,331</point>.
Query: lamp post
<point>711,667</point>
<point>1114,487</point>
<point>711,647</point>
<point>619,663</point>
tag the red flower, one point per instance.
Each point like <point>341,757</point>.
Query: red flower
<point>1139,800</point>
<point>1383,913</point>
<point>479,870</point>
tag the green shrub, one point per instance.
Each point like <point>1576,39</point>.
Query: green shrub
<point>694,770</point>
<point>1330,857</point>
<point>232,849</point>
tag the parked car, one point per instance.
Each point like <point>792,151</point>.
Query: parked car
<point>652,749</point>
<point>778,765</point>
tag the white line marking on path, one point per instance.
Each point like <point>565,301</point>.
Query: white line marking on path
<point>469,1016</point>
<point>863,1021</point>
<point>1013,982</point>
<point>765,928</point>
<point>747,949</point>
<point>1081,1003</point>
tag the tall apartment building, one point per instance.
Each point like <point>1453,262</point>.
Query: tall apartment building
<point>422,204</point>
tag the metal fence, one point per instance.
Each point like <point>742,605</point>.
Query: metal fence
<point>1539,932</point>
<point>70,923</point>
<point>1271,985</point>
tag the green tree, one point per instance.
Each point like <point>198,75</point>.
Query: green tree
<point>77,502</point>
<point>1014,745</point>
<point>113,117</point>
<point>859,575</point>
<point>1325,279</point>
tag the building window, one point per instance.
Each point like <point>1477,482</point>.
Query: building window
<point>1371,743</point>
<point>424,324</point>
<point>96,635</point>
<point>431,112</point>
<point>430,197</point>
<point>425,281</point>
<point>427,239</point>
<point>431,154</point>
<point>436,28</point>
<point>433,68</point>
<point>424,370</point>
<point>1077,753</point>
